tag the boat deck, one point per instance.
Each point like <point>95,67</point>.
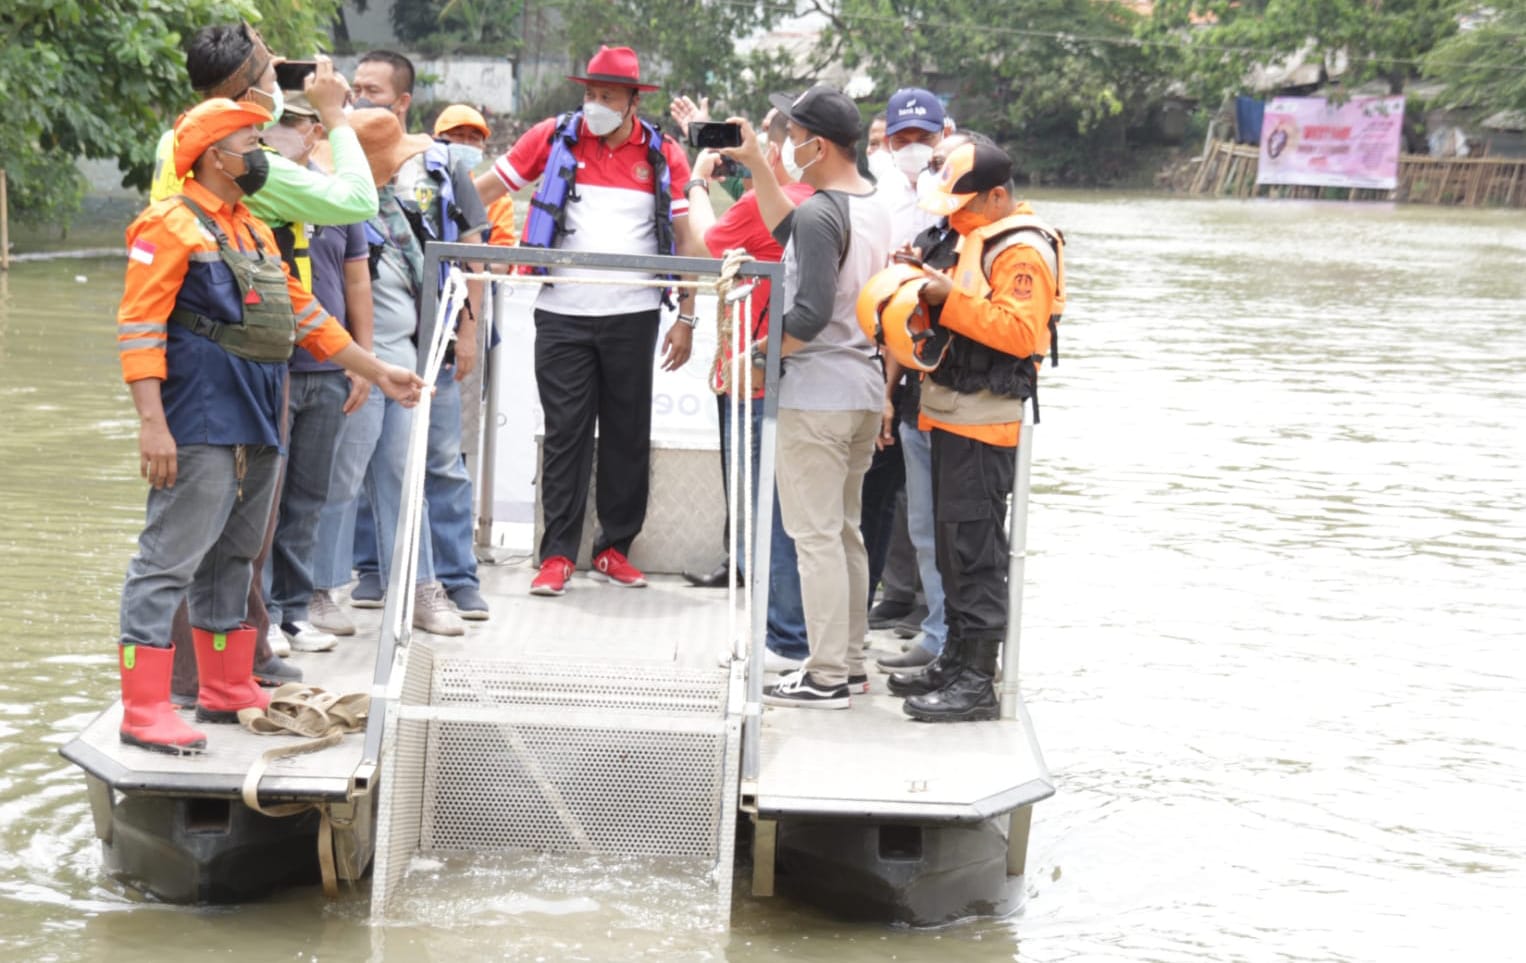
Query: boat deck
<point>871,762</point>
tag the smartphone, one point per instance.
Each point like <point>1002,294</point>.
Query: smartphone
<point>291,74</point>
<point>703,134</point>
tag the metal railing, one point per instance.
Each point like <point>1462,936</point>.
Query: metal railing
<point>437,328</point>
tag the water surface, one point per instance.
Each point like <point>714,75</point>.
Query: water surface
<point>1272,644</point>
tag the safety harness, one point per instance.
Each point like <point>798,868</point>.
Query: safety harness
<point>267,328</point>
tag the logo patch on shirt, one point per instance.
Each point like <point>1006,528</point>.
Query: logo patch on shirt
<point>142,252</point>
<point>641,171</point>
<point>1022,286</point>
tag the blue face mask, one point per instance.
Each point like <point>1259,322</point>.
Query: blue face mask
<point>465,152</point>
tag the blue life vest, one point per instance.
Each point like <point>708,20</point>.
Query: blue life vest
<point>547,221</point>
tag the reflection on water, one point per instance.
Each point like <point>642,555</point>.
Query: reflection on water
<point>1273,636</point>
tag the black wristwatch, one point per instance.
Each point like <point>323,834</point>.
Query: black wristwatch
<point>696,182</point>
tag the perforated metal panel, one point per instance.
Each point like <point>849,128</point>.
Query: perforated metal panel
<point>556,758</point>
<point>400,813</point>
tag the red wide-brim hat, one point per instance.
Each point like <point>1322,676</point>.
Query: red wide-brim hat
<point>614,65</point>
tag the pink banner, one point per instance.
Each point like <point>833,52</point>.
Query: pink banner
<point>1311,142</point>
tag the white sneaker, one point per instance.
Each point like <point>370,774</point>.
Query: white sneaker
<point>774,662</point>
<point>306,637</point>
<point>433,611</point>
<point>324,613</point>
<point>277,640</point>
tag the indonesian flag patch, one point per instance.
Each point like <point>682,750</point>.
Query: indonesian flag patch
<point>142,252</point>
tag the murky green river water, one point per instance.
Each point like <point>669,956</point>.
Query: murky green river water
<point>1274,633</point>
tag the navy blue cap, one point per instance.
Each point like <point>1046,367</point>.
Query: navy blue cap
<point>913,107</point>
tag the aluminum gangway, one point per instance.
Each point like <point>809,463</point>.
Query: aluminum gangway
<point>605,722</point>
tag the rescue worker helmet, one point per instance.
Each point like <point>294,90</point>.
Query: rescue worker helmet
<point>878,290</point>
<point>909,333</point>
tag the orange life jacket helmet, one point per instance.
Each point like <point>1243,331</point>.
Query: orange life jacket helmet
<point>878,290</point>
<point>907,326</point>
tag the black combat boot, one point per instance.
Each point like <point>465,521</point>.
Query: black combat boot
<point>931,677</point>
<point>969,695</point>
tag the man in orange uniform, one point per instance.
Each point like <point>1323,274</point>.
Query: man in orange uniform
<point>206,324</point>
<point>996,305</point>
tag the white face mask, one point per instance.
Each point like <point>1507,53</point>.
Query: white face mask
<point>912,159</point>
<point>602,120</point>
<point>787,158</point>
<point>465,152</point>
<point>927,183</point>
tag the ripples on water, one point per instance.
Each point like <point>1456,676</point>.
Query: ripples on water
<point>1273,622</point>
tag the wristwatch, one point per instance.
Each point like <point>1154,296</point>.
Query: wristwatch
<point>692,320</point>
<point>696,182</point>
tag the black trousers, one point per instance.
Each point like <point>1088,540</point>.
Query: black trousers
<point>594,371</point>
<point>971,482</point>
<point>885,479</point>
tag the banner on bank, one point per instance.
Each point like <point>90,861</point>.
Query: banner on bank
<point>1308,141</point>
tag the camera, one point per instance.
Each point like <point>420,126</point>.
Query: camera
<point>704,134</point>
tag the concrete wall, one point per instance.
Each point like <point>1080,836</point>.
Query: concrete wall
<point>480,81</point>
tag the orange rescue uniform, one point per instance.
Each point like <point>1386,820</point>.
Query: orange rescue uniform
<point>1014,320</point>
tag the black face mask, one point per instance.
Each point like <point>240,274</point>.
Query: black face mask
<point>256,171</point>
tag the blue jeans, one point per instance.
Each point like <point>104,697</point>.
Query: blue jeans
<point>333,558</point>
<point>448,488</point>
<point>315,416</point>
<point>200,537</point>
<point>384,490</point>
<point>917,448</point>
<point>786,611</point>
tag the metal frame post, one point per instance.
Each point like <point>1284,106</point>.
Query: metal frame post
<point>1017,552</point>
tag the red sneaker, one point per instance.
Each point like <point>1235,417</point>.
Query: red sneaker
<point>610,566</point>
<point>554,573</point>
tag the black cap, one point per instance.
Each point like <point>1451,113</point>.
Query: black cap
<point>823,110</point>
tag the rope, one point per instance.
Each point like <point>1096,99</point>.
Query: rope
<point>324,717</point>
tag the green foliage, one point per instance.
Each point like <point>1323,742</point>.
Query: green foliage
<point>686,45</point>
<point>1485,66</point>
<point>446,26</point>
<point>103,78</point>
<point>1060,80</point>
<point>1379,40</point>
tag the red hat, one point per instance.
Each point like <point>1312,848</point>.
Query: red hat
<point>614,65</point>
<point>209,122</point>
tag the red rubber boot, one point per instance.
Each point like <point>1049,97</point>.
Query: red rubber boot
<point>149,719</point>
<point>225,665</point>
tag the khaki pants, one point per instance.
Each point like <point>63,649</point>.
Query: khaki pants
<point>822,457</point>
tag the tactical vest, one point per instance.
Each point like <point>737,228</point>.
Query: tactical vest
<point>546,224</point>
<point>970,367</point>
<point>267,327</point>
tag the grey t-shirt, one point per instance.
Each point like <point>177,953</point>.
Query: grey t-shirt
<point>833,243</point>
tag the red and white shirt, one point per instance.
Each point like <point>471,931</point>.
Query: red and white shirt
<point>613,213</point>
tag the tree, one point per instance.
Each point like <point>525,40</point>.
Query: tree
<point>1484,65</point>
<point>687,44</point>
<point>1059,80</point>
<point>101,79</point>
<point>1378,39</point>
<point>456,25</point>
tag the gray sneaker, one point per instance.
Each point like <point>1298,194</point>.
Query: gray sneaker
<point>432,611</point>
<point>368,593</point>
<point>326,614</point>
<point>469,603</point>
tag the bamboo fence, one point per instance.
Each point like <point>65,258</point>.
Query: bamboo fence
<point>1229,170</point>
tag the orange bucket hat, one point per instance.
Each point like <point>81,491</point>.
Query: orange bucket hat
<point>209,122</point>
